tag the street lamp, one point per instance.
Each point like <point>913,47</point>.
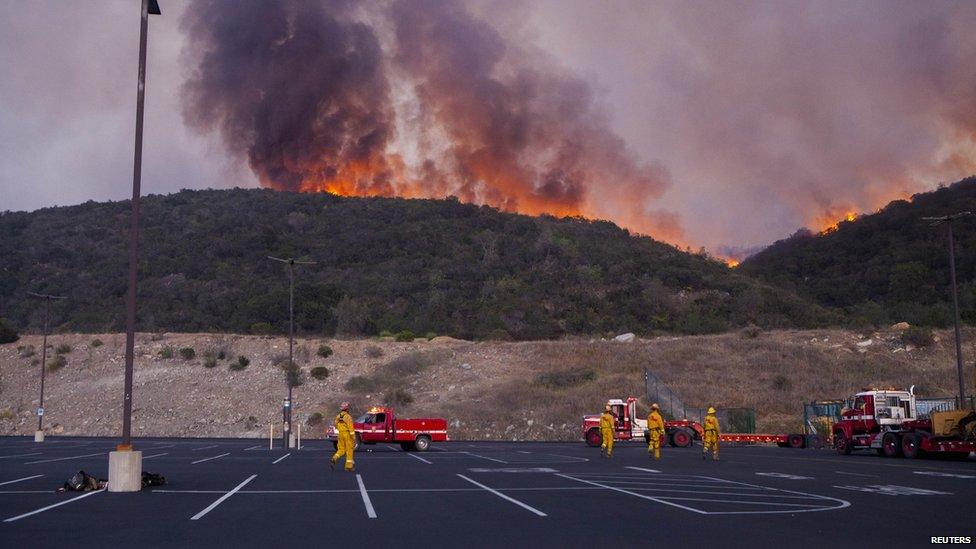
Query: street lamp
<point>947,220</point>
<point>124,464</point>
<point>39,434</point>
<point>286,436</point>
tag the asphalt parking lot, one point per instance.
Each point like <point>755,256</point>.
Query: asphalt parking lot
<point>477,494</point>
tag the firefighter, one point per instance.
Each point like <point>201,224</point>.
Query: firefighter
<point>655,431</point>
<point>346,438</point>
<point>710,440</point>
<point>608,424</point>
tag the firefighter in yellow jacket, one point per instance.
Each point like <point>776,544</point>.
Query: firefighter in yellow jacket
<point>710,438</point>
<point>346,438</point>
<point>655,431</point>
<point>608,424</point>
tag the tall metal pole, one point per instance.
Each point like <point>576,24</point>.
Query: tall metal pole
<point>47,316</point>
<point>291,338</point>
<point>130,298</point>
<point>955,306</point>
<point>948,219</point>
<point>40,405</point>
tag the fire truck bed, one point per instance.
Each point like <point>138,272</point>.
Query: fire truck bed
<point>237,492</point>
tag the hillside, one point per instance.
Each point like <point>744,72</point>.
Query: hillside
<point>488,390</point>
<point>428,266</point>
<point>885,267</point>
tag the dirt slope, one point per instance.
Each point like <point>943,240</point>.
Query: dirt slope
<point>487,390</point>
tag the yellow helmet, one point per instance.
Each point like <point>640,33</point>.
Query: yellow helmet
<point>655,406</point>
<point>710,410</point>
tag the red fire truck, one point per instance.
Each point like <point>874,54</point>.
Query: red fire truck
<point>678,433</point>
<point>380,424</point>
<point>887,421</point>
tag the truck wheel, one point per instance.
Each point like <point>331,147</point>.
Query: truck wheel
<point>842,444</point>
<point>681,438</point>
<point>422,443</point>
<point>358,443</point>
<point>593,437</point>
<point>795,441</point>
<point>814,441</point>
<point>891,445</point>
<point>911,446</point>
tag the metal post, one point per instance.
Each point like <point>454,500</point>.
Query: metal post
<point>40,405</point>
<point>291,344</point>
<point>955,305</point>
<point>130,299</point>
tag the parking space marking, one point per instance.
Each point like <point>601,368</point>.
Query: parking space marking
<point>64,458</point>
<point>209,458</point>
<point>19,480</point>
<point>21,455</point>
<point>503,496</point>
<point>941,474</point>
<point>256,447</point>
<point>59,504</point>
<point>163,446</point>
<point>370,512</point>
<point>645,469</point>
<point>894,490</point>
<point>483,457</point>
<point>420,458</point>
<point>221,499</point>
<point>784,475</point>
<point>204,448</point>
<point>745,494</point>
<point>275,462</point>
<point>156,455</point>
<point>642,496</point>
<point>392,447</point>
<point>854,474</point>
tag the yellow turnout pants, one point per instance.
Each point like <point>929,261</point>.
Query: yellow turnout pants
<point>710,441</point>
<point>654,442</point>
<point>607,436</point>
<point>346,443</point>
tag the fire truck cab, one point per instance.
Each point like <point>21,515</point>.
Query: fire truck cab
<point>887,421</point>
<point>631,427</point>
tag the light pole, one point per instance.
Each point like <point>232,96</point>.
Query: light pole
<point>286,435</point>
<point>39,434</point>
<point>125,465</point>
<point>947,220</point>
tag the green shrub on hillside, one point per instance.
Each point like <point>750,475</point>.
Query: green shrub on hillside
<point>261,328</point>
<point>405,335</point>
<point>188,353</point>
<point>7,333</point>
<point>56,363</point>
<point>241,363</point>
<point>166,353</point>
<point>320,372</point>
<point>324,351</point>
<point>96,343</point>
<point>918,336</point>
<point>63,349</point>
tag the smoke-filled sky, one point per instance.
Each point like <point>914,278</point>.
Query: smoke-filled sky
<point>701,123</point>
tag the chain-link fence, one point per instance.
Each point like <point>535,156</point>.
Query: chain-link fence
<point>671,406</point>
<point>730,420</point>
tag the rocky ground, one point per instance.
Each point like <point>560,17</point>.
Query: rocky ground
<point>487,390</point>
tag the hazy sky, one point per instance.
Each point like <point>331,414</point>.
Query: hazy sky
<point>704,123</point>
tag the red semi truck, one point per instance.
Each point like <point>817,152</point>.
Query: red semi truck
<point>887,421</point>
<point>678,433</point>
<point>380,424</point>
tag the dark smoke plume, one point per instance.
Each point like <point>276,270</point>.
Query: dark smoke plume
<point>411,98</point>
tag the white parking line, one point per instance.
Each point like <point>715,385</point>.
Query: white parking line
<point>370,512</point>
<point>392,447</point>
<point>256,447</point>
<point>209,458</point>
<point>204,448</point>
<point>483,457</point>
<point>275,462</point>
<point>163,446</point>
<point>854,474</point>
<point>156,455</point>
<point>642,496</point>
<point>645,469</point>
<point>63,459</point>
<point>21,455</point>
<point>221,499</point>
<point>503,496</point>
<point>415,456</point>
<point>20,480</point>
<point>59,504</point>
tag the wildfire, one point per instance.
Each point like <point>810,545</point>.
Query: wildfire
<point>732,263</point>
